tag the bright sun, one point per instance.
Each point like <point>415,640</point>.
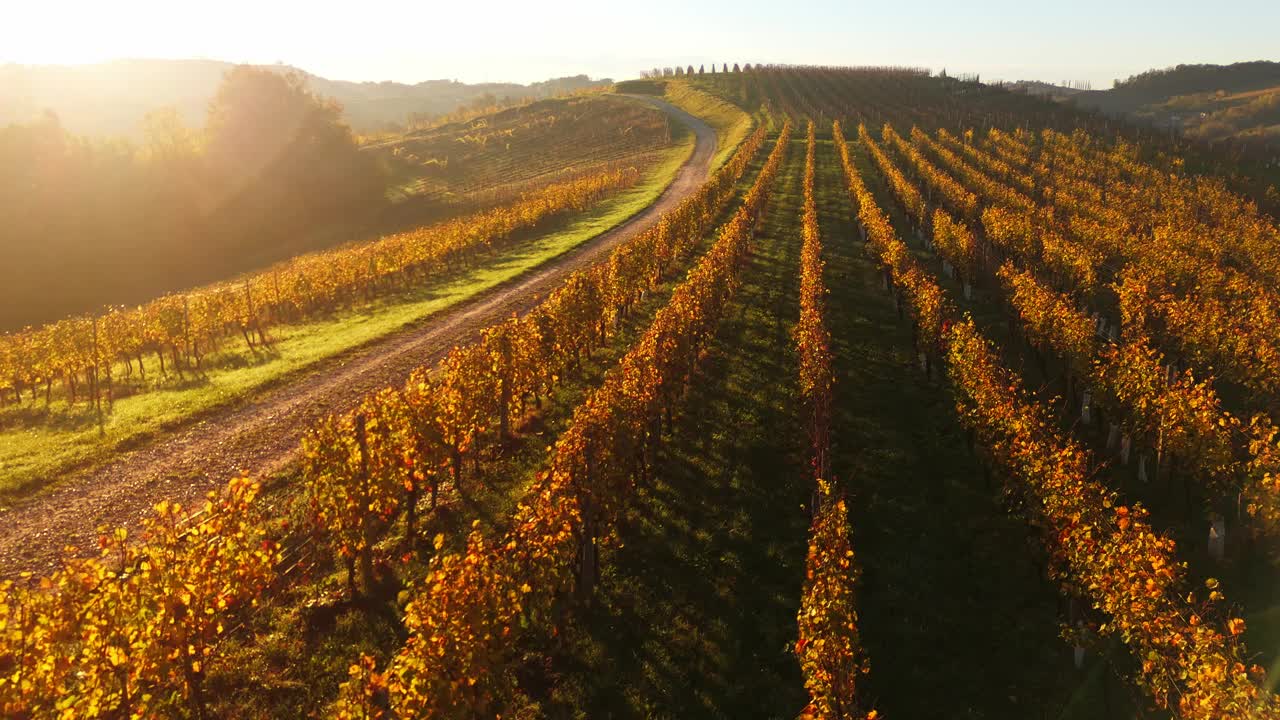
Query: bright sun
<point>41,33</point>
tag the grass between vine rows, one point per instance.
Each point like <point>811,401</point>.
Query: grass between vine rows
<point>976,623</point>
<point>694,612</point>
<point>1176,504</point>
<point>38,443</point>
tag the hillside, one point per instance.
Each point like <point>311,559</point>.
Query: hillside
<point>499,153</point>
<point>926,377</point>
<point>433,175</point>
<point>111,98</point>
<point>1036,87</point>
<point>1239,102</point>
<point>1158,86</point>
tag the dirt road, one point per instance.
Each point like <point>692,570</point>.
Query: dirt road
<point>261,435</point>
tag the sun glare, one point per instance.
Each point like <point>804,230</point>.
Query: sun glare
<point>718,359</point>
<point>85,31</point>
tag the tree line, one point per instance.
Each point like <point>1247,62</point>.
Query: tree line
<point>679,71</point>
<point>98,221</point>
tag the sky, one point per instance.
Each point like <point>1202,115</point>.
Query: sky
<point>501,40</point>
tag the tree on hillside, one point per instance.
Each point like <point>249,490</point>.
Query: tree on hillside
<point>726,67</point>
<point>167,138</point>
<point>76,214</point>
<point>29,155</point>
<point>176,172</point>
<point>278,150</point>
<point>702,69</point>
<point>259,118</point>
<point>94,221</point>
<point>689,70</point>
<point>736,68</point>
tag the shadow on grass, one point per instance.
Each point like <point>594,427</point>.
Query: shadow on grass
<point>55,416</point>
<point>958,618</point>
<point>696,611</point>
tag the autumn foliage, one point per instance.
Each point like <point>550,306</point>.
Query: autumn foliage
<point>130,632</point>
<point>827,645</point>
<point>1101,549</point>
<point>471,611</point>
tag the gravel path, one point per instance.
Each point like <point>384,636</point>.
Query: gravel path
<point>261,435</point>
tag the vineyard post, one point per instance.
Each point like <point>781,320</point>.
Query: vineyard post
<point>186,324</point>
<point>1069,379</point>
<point>248,318</point>
<point>587,567</point>
<point>455,459</point>
<point>111,390</point>
<point>366,527</point>
<point>97,399</point>
<point>1106,687</point>
<point>655,437</point>
<point>195,683</point>
<point>1160,445</point>
<point>504,416</point>
<point>411,508</point>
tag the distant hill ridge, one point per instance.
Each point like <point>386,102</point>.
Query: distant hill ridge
<point>1158,86</point>
<point>1036,87</point>
<point>111,98</point>
<point>1235,105</point>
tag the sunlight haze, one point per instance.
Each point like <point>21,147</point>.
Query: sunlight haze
<point>523,42</point>
<point>555,359</point>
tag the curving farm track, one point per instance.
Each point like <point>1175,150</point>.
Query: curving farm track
<point>261,434</point>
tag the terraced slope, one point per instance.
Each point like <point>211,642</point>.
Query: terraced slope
<point>496,155</point>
